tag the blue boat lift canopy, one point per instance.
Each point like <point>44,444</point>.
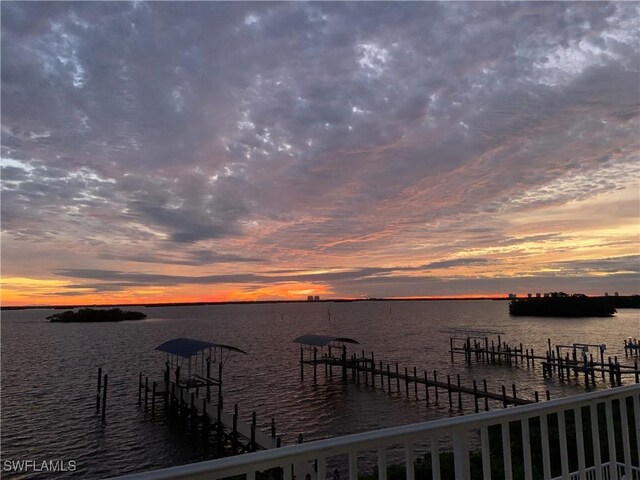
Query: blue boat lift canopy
<point>198,364</point>
<point>186,347</point>
<point>322,340</point>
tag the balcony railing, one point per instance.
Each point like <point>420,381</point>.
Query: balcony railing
<point>589,436</point>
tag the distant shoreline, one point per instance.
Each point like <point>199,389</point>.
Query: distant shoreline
<point>259,302</point>
<point>246,302</point>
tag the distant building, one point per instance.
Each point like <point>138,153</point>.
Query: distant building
<point>310,298</point>
<point>546,295</point>
<point>615,294</point>
<point>316,298</point>
<point>538,295</point>
<point>606,294</point>
<point>529,295</point>
<point>512,295</point>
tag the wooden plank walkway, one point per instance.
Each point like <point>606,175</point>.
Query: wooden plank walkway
<point>361,366</point>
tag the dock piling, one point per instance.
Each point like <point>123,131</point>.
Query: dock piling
<point>104,397</point>
<point>98,394</point>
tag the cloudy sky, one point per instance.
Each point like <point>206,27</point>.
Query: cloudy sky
<point>214,151</point>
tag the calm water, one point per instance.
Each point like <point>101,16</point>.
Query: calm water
<point>49,373</point>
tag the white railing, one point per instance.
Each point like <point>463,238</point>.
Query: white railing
<point>570,438</point>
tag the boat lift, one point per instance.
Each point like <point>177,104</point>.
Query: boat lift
<point>198,365</point>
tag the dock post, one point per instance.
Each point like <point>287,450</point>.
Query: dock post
<point>449,392</point>
<point>315,365</point>
<point>415,381</point>
<point>475,396</point>
<point>330,364</point>
<point>344,363</point>
<point>536,396</point>
<point>635,369</point>
<point>451,348</point>
<point>513,389</point>
<point>486,350</point>
<point>426,387</point>
<point>273,427</point>
<point>459,392</point>
<point>406,382</point>
<point>104,397</point>
<point>205,417</point>
<point>99,383</point>
<point>234,440</point>
<point>397,379</point>
<point>167,376</point>
<point>208,377</point>
<point>548,395</point>
<point>435,384</point>
<point>365,369</point>
<point>388,379</point>
<point>521,355</point>
<point>220,399</point>
<point>355,371</point>
<point>504,396</point>
<point>533,359</point>
<point>381,376</point>
<point>301,364</point>
<point>139,389</point>
<point>146,393</point>
<point>486,397</point>
<point>252,446</point>
<point>153,399</point>
<point>373,371</point>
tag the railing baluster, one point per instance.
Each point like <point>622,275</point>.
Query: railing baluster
<point>461,455</point>
<point>408,461</point>
<point>636,416</point>
<point>382,464</point>
<point>286,470</point>
<point>251,475</point>
<point>435,458</point>
<point>526,449</point>
<point>322,469</point>
<point>353,465</point>
<point>506,450</point>
<point>626,443</point>
<point>486,453</point>
<point>546,456</point>
<point>613,457</point>
<point>564,454</point>
<point>577,412</point>
<point>595,435</point>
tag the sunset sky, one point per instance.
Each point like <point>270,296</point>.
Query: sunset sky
<point>158,152</point>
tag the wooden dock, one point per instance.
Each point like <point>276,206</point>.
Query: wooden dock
<point>364,369</point>
<point>565,361</point>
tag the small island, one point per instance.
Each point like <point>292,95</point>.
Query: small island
<point>88,315</point>
<point>560,304</point>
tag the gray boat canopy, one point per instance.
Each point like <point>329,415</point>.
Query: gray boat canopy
<point>186,347</point>
<point>322,340</point>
